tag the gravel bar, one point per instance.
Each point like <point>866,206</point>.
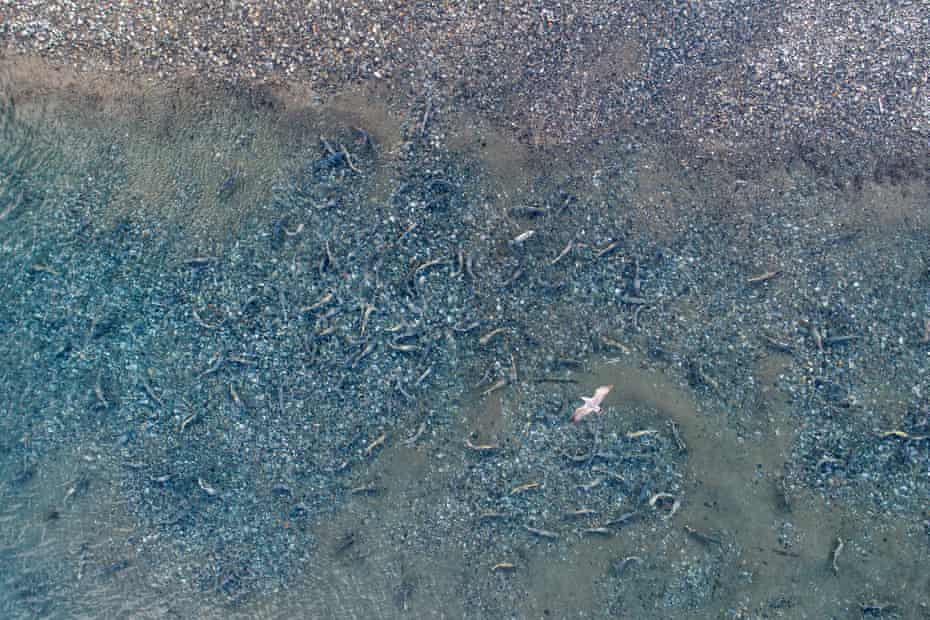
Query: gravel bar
<point>833,83</point>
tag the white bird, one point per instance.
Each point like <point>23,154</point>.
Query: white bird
<point>593,404</point>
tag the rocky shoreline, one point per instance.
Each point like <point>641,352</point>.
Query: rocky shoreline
<point>841,86</point>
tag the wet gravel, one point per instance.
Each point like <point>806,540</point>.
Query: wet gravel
<point>841,85</point>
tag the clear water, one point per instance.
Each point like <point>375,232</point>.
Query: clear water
<point>182,437</point>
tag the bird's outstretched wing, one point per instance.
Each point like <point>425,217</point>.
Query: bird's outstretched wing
<point>600,393</point>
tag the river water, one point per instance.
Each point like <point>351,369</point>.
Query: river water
<point>316,361</point>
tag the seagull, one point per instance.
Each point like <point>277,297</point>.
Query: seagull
<point>593,404</point>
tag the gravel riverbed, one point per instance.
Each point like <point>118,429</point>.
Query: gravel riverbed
<point>294,313</point>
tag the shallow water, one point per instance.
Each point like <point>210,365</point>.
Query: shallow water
<point>183,436</point>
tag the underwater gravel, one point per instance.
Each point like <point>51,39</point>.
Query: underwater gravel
<point>242,394</point>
